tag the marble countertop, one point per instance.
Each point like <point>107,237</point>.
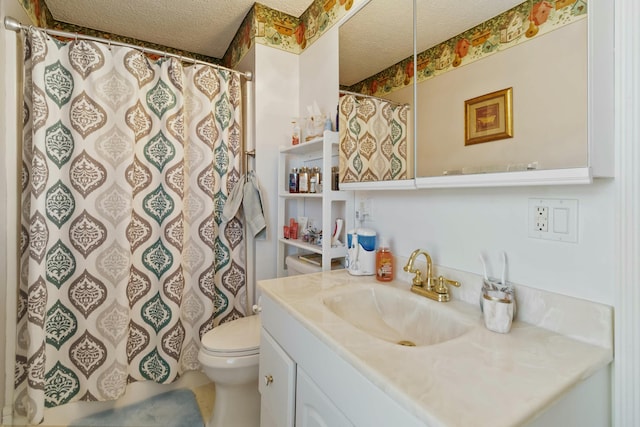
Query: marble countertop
<point>478,378</point>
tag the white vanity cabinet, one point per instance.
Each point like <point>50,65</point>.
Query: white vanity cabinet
<point>288,393</point>
<point>277,384</point>
<point>329,391</point>
<point>314,408</point>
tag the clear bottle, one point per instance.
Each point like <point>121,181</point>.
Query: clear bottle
<point>335,178</point>
<point>312,184</point>
<point>327,123</point>
<point>293,181</point>
<point>303,180</point>
<point>317,174</point>
<point>384,262</point>
<point>295,133</point>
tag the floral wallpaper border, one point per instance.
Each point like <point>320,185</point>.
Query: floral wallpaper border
<point>279,30</point>
<point>36,11</point>
<point>517,25</point>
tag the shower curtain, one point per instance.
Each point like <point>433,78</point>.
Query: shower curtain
<point>373,139</point>
<point>125,261</point>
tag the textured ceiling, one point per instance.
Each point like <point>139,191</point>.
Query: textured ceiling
<point>378,36</point>
<point>201,26</point>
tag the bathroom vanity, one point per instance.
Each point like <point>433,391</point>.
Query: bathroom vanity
<point>340,350</point>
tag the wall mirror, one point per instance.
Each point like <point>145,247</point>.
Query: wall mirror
<point>464,52</point>
<point>376,60</point>
<point>535,50</point>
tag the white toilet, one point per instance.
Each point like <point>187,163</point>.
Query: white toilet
<point>229,356</point>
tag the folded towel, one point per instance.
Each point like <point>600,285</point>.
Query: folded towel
<point>253,210</point>
<point>234,200</point>
<point>249,195</point>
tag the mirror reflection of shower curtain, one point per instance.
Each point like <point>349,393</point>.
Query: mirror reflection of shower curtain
<point>373,139</point>
<point>125,262</point>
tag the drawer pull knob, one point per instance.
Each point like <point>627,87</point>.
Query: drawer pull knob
<point>268,379</point>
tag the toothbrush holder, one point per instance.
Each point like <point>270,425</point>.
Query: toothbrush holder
<point>498,308</point>
<point>491,284</point>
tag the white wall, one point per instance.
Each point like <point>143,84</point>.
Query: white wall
<point>319,75</point>
<point>455,225</point>
<point>277,91</point>
<point>10,54</point>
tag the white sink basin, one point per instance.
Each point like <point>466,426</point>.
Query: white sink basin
<point>397,316</point>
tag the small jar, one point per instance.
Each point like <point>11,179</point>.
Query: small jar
<point>293,181</point>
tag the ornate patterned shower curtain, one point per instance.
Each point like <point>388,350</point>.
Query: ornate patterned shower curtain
<point>373,144</point>
<point>125,261</point>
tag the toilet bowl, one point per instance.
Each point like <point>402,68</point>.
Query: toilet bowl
<point>229,357</point>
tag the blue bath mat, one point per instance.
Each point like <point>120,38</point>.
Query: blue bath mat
<point>177,408</point>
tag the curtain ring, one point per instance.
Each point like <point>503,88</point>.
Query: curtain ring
<point>109,45</point>
<point>76,37</point>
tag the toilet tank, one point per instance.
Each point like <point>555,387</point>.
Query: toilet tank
<point>296,266</point>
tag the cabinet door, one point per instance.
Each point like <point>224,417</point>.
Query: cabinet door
<point>277,380</point>
<point>313,407</point>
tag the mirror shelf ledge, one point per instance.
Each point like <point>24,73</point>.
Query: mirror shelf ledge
<point>401,184</point>
<point>569,176</point>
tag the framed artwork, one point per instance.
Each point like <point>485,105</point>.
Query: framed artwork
<point>488,117</point>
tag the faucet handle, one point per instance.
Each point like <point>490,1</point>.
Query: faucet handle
<point>417,279</point>
<point>441,287</point>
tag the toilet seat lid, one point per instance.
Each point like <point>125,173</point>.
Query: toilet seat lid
<point>240,337</point>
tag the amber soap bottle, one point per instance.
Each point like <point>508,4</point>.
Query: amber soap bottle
<point>384,262</point>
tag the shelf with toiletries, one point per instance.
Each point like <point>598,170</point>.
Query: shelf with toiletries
<point>334,252</point>
<point>335,195</point>
<point>315,203</point>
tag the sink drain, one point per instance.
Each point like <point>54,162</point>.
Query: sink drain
<point>407,343</point>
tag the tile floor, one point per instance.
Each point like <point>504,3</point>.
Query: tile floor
<point>205,396</point>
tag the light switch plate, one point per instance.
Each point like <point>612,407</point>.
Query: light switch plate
<point>561,223</point>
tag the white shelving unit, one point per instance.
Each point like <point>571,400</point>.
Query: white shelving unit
<point>322,209</point>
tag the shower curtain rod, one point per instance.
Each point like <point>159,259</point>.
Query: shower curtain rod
<point>14,25</point>
<point>346,92</point>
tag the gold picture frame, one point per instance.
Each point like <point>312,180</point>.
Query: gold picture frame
<point>488,117</point>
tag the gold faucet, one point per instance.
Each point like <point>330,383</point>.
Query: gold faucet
<point>430,287</point>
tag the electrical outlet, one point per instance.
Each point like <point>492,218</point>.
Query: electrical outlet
<point>368,208</point>
<point>553,219</point>
<point>542,218</point>
<point>365,210</point>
